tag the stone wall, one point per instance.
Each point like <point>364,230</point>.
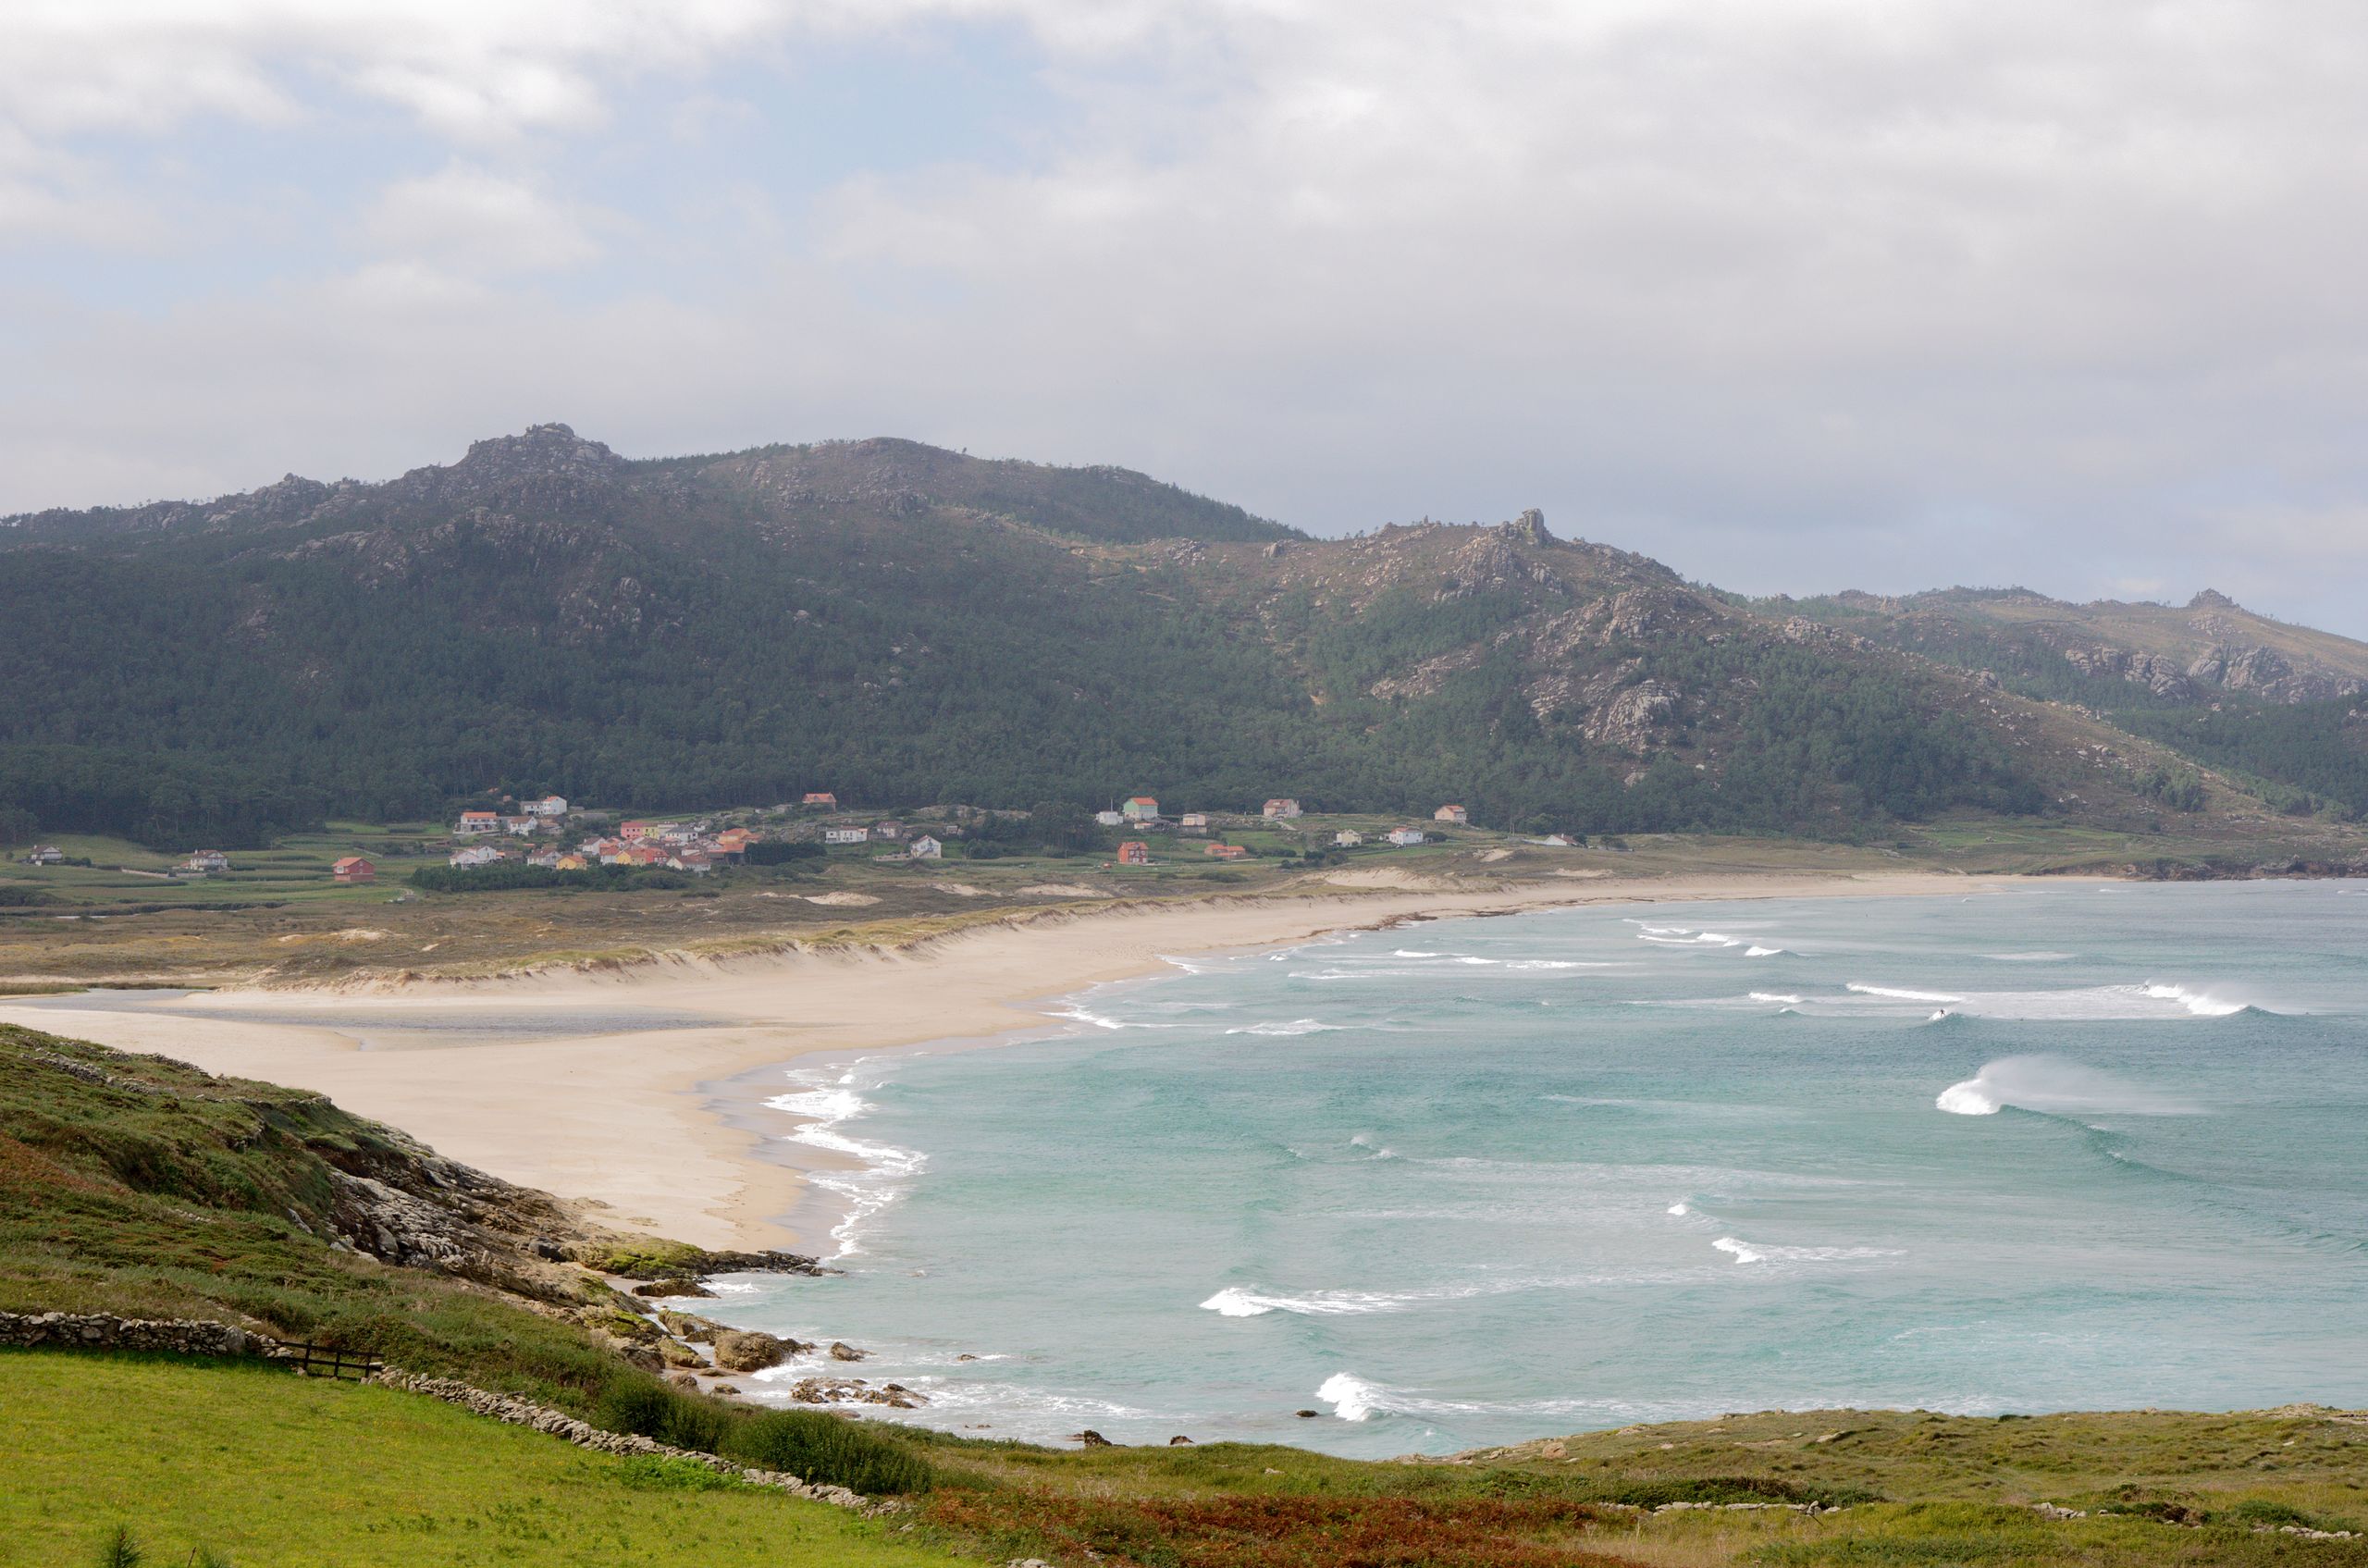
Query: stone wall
<point>105,1331</point>
<point>515,1412</point>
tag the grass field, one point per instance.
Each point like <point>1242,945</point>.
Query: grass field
<point>257,1466</point>
<point>262,1467</point>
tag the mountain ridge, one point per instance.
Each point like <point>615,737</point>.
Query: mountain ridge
<point>905,623</point>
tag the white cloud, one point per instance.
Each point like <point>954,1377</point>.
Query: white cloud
<point>478,222</point>
<point>1795,292</point>
<point>467,67</point>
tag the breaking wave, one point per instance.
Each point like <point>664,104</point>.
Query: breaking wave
<point>883,1169</point>
<point>1764,1252</point>
<point>1293,1025</point>
<point>1895,994</point>
<point>2202,1004</point>
<point>1236,1301</point>
<point>2053,1085</point>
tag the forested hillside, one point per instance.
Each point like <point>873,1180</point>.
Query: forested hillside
<point>906,626</point>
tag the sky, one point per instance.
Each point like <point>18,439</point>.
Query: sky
<point>1796,295</point>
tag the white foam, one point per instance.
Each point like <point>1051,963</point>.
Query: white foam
<point>882,1170</point>
<point>1081,1014</point>
<point>1679,1209</point>
<point>1350,1397</point>
<point>1786,997</point>
<point>2039,958</point>
<point>1293,1025</point>
<point>1689,936</point>
<point>2202,1004</point>
<point>1762,1251</point>
<point>1237,1301</point>
<point>2054,1085</point>
<point>1896,995</point>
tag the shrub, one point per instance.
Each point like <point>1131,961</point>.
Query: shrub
<point>646,1408</point>
<point>829,1451</point>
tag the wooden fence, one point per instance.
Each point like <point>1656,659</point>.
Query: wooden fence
<point>328,1361</point>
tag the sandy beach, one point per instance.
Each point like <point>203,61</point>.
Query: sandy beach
<point>609,1088</point>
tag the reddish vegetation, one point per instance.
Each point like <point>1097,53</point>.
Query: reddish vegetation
<point>1280,1531</point>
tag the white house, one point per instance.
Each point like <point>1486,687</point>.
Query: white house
<point>1280,810</point>
<point>479,822</point>
<point>1554,841</point>
<point>926,848</point>
<point>207,863</point>
<point>549,806</point>
<point>518,827</point>
<point>1404,836</point>
<point>44,854</point>
<point>847,835</point>
<point>475,855</point>
<point>1108,819</point>
<point>1348,838</point>
<point>1196,822</point>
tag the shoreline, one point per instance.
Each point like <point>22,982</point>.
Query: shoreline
<point>654,1129</point>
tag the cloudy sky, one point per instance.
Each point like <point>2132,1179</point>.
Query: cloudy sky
<point>1795,294</point>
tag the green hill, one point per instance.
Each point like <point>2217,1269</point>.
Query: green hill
<point>904,626</point>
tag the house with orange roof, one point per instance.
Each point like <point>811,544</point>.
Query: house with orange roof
<point>1281,811</point>
<point>353,869</point>
<point>1455,814</point>
<point>821,798</point>
<point>479,822</point>
<point>1134,852</point>
<point>1140,809</point>
<point>1226,852</point>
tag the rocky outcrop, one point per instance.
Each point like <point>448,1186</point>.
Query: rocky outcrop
<point>512,1411</point>
<point>855,1391</point>
<point>1631,719</point>
<point>2263,671</point>
<point>743,1349</point>
<point>2156,673</point>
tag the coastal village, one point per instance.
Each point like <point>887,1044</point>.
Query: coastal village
<point>549,832</point>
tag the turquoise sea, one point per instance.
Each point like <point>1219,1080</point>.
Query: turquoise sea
<point>1477,1180</point>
